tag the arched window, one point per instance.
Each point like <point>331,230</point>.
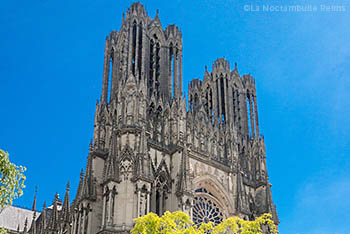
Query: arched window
<point>206,208</point>
<point>139,56</point>
<point>151,67</point>
<point>222,91</point>
<point>133,58</point>
<point>159,193</point>
<point>171,69</point>
<point>154,65</point>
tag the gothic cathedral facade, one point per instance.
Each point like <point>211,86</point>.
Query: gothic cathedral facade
<point>154,150</point>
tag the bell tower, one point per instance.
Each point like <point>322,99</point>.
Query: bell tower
<point>144,50</point>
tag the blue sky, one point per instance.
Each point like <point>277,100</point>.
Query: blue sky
<point>51,64</point>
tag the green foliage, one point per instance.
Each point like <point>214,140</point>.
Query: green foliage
<point>11,180</point>
<point>3,231</point>
<point>179,222</point>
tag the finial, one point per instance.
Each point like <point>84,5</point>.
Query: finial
<point>157,12</point>
<point>206,68</point>
<point>44,206</point>
<point>235,65</point>
<point>34,201</point>
<point>67,188</point>
<point>123,17</point>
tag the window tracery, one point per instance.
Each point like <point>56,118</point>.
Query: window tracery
<point>126,169</point>
<point>205,208</point>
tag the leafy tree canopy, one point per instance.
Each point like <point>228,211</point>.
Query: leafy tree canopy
<point>179,222</point>
<point>11,180</point>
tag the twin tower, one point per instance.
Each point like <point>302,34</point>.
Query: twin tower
<point>153,56</point>
<point>154,151</point>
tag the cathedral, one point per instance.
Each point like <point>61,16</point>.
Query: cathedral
<point>156,150</point>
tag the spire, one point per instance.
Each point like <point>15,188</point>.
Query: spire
<point>52,225</point>
<point>80,186</point>
<point>206,74</point>
<point>34,201</point>
<point>184,184</point>
<point>88,189</point>
<point>65,208</point>
<point>157,17</point>
<point>106,68</point>
<point>235,71</point>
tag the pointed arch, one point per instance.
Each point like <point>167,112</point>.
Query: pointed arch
<point>210,191</point>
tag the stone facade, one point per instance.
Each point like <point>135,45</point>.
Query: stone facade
<point>154,151</point>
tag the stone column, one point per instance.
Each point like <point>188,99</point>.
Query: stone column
<point>148,201</point>
<point>104,211</point>
<point>138,202</point>
<point>161,199</point>
<point>79,221</point>
<point>84,217</point>
<point>74,224</point>
<point>109,208</point>
<point>89,221</point>
<point>105,81</point>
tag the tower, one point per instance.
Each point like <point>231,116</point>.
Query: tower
<point>153,151</point>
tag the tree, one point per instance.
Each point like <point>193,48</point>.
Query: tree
<point>11,180</point>
<point>179,222</point>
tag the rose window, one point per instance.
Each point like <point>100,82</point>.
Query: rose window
<point>206,210</point>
